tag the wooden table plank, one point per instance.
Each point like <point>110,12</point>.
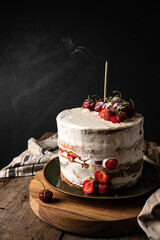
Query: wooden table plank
<point>17,221</point>
<point>136,236</point>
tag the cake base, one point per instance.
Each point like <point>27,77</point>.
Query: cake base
<point>89,217</point>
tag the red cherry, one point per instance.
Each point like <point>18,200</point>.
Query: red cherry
<point>101,176</point>
<point>85,104</point>
<point>131,112</point>
<point>104,189</point>
<point>111,163</point>
<point>116,100</point>
<point>115,119</point>
<point>101,113</point>
<point>88,104</point>
<point>108,114</point>
<point>91,106</point>
<point>123,116</point>
<point>70,156</point>
<point>88,186</point>
<point>98,106</point>
<point>46,196</point>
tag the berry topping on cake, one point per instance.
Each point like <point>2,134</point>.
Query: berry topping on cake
<point>115,119</point>
<point>114,109</point>
<point>122,116</point>
<point>61,150</point>
<point>89,103</point>
<point>102,112</point>
<point>104,189</point>
<point>108,114</point>
<point>101,176</point>
<point>98,106</point>
<point>88,186</point>
<point>111,163</point>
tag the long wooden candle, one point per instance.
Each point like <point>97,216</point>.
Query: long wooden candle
<point>105,81</point>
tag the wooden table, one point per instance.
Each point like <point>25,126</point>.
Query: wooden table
<point>17,221</point>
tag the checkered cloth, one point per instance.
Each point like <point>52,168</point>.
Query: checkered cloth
<point>33,159</point>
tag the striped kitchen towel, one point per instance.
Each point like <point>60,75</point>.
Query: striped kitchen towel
<point>33,159</point>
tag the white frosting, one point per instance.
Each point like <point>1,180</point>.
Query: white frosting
<point>73,123</point>
<point>84,119</point>
<point>95,139</point>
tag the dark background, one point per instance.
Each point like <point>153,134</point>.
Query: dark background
<point>39,78</point>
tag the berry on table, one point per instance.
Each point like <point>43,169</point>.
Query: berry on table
<point>45,195</point>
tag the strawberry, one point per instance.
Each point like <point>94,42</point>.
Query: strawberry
<point>70,156</point>
<point>108,114</point>
<point>104,189</point>
<point>101,113</point>
<point>111,163</point>
<point>88,186</point>
<point>123,116</point>
<point>115,119</point>
<point>101,176</point>
<point>61,150</point>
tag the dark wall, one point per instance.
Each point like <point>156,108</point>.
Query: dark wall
<point>39,78</point>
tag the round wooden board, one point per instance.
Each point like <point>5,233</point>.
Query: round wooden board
<point>90,217</point>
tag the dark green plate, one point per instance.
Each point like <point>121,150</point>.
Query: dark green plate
<point>147,183</point>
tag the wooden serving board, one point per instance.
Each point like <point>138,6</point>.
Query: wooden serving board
<point>90,217</point>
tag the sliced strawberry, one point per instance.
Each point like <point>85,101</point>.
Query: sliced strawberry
<point>61,150</point>
<point>70,156</point>
<point>123,116</point>
<point>115,119</point>
<point>108,114</point>
<point>104,189</point>
<point>111,163</point>
<point>101,113</point>
<point>101,176</point>
<point>88,186</point>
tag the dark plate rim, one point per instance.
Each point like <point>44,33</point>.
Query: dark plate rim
<point>102,197</point>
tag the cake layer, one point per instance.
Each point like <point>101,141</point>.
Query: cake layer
<point>76,173</point>
<point>124,154</point>
<point>103,139</point>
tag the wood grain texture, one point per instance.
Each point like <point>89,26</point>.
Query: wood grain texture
<point>86,216</point>
<point>17,221</point>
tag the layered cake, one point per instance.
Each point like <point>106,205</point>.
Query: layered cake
<point>101,143</point>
